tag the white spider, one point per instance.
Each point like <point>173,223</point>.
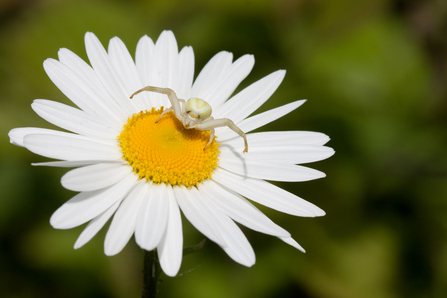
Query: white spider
<point>194,113</point>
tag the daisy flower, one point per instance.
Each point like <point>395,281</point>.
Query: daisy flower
<point>143,173</point>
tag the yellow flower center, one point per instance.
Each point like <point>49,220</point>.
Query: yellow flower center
<point>167,152</point>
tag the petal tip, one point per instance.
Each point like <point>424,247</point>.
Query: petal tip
<point>77,245</point>
<point>292,242</point>
<point>319,212</point>
<point>110,252</point>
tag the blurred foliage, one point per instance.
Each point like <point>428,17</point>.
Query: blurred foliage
<point>375,74</point>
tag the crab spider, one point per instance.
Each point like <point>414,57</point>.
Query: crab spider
<point>194,113</point>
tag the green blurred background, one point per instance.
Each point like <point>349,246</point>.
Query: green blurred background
<point>374,73</point>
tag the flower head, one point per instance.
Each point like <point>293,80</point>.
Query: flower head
<point>143,173</point>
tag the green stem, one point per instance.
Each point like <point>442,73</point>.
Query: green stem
<point>151,272</point>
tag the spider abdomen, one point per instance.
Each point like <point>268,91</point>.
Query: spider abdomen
<point>198,108</point>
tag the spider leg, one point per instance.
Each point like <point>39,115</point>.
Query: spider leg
<point>164,112</point>
<point>175,105</point>
<point>211,138</point>
<point>213,123</point>
<point>183,106</point>
<point>170,109</point>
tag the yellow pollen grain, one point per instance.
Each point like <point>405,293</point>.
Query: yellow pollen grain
<point>167,152</point>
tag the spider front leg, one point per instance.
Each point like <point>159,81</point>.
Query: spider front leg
<point>164,112</point>
<point>211,123</point>
<point>175,102</point>
<point>170,109</point>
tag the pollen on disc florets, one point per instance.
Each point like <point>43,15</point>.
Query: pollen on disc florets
<point>167,152</point>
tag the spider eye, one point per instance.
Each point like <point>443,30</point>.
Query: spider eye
<point>192,114</point>
<point>198,108</point>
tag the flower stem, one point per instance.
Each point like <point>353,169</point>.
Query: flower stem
<point>151,272</point>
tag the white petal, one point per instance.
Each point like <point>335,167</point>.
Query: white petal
<point>122,61</point>
<point>292,242</point>
<point>211,73</point>
<point>233,162</point>
<point>281,138</point>
<point>251,98</point>
<point>87,205</point>
<point>124,222</point>
<point>198,213</point>
<point>278,154</point>
<point>82,93</point>
<point>166,51</point>
<point>152,217</point>
<point>16,135</point>
<point>143,56</point>
<point>229,81</point>
<point>94,177</point>
<point>186,72</point>
<point>236,244</point>
<point>240,210</point>
<point>71,147</point>
<point>259,120</point>
<point>126,71</point>
<point>95,225</point>
<point>267,194</point>
<point>79,66</point>
<point>170,249</point>
<point>106,73</point>
<point>164,67</point>
<point>76,163</point>
<point>90,79</point>
<point>74,120</point>
<point>239,249</point>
